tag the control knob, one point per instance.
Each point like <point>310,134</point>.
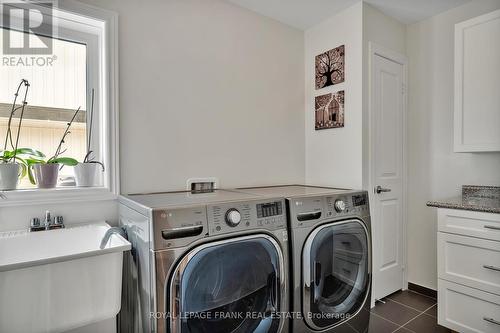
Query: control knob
<point>339,206</point>
<point>233,217</point>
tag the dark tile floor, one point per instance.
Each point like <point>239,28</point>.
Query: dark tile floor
<point>405,312</point>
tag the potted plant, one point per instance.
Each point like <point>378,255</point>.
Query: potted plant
<point>13,165</point>
<point>89,172</point>
<point>45,173</point>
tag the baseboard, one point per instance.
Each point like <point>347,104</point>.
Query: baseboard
<point>422,290</point>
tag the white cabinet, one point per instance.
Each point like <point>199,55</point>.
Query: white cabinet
<point>477,84</point>
<point>468,270</point>
<point>470,261</point>
<point>465,309</point>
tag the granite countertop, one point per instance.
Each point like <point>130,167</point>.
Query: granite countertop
<point>474,198</point>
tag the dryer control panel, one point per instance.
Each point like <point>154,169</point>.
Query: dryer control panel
<point>347,205</point>
<point>311,209</point>
<point>240,216</point>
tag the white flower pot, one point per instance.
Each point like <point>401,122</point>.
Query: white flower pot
<point>88,175</point>
<point>46,174</point>
<point>9,176</point>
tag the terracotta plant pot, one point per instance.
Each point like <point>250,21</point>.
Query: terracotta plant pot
<point>46,174</point>
<point>9,176</point>
<point>88,175</point>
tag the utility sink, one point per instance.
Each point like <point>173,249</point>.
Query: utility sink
<point>58,280</point>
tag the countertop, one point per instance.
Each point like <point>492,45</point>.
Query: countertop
<point>474,198</point>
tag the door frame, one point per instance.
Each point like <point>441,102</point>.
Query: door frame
<point>378,50</point>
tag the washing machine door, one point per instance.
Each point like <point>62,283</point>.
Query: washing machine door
<point>336,273</point>
<point>228,286</point>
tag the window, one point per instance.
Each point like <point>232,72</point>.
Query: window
<point>57,89</point>
<point>80,64</point>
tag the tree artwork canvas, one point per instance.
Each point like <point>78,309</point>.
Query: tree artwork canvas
<point>330,67</point>
<point>329,110</point>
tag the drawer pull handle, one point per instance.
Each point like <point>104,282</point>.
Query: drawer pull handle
<point>492,227</point>
<point>491,320</point>
<point>493,268</point>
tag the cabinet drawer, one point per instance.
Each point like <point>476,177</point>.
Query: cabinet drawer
<point>470,261</point>
<point>465,309</point>
<point>468,223</point>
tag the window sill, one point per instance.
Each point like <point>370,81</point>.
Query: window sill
<point>56,195</point>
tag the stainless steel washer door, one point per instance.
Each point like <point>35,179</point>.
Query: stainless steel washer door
<point>336,273</point>
<point>228,286</point>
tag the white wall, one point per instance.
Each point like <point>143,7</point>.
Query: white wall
<point>334,156</point>
<point>207,89</point>
<point>383,30</point>
<point>435,172</point>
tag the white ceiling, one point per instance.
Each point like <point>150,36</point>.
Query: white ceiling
<point>304,14</point>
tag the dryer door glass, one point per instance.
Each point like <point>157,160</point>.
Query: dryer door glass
<point>229,286</point>
<point>336,273</point>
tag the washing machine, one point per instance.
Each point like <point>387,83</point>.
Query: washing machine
<point>330,258</point>
<point>206,262</point>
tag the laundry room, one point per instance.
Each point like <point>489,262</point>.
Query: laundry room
<point>234,166</point>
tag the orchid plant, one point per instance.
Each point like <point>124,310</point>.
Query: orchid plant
<point>89,157</point>
<point>10,152</point>
<point>56,158</point>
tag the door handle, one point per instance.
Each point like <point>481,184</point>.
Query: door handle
<point>493,268</point>
<point>379,189</point>
<point>491,320</point>
<point>492,227</point>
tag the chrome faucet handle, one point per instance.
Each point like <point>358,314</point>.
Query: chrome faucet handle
<point>35,222</point>
<point>56,223</point>
<point>35,225</point>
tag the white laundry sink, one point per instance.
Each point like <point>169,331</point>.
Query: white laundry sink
<point>57,280</point>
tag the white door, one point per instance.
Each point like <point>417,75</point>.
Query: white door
<point>387,174</point>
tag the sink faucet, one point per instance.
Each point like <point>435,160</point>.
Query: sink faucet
<point>48,224</point>
<point>110,232</point>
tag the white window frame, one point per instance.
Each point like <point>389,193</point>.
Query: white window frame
<point>98,29</point>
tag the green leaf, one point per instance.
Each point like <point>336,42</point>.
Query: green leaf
<point>31,161</point>
<point>24,170</point>
<point>8,154</point>
<point>64,161</point>
<point>30,175</point>
<point>30,171</point>
<point>30,152</point>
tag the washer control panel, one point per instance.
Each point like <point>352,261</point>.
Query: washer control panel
<point>241,216</point>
